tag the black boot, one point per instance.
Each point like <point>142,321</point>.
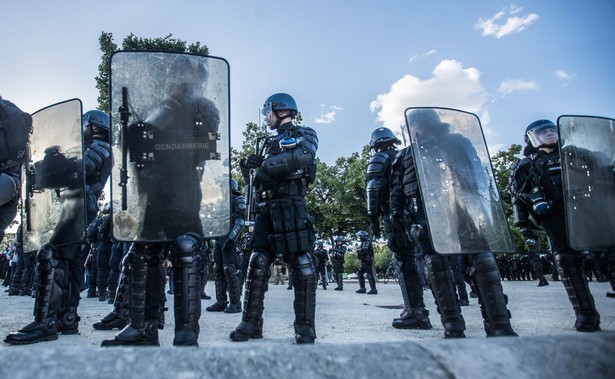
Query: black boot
<point>140,331</point>
<point>372,285</point>
<point>361,285</point>
<point>186,261</point>
<point>221,301</point>
<point>491,298</point>
<point>571,275</point>
<point>414,316</point>
<point>119,317</point>
<point>304,279</point>
<point>234,292</point>
<point>131,336</point>
<point>251,325</point>
<point>439,273</point>
<point>51,280</point>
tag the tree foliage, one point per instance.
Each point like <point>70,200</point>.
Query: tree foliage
<point>502,163</point>
<point>132,42</point>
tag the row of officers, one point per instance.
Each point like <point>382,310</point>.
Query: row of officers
<point>281,175</point>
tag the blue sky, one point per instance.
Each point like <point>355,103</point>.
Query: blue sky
<point>352,66</point>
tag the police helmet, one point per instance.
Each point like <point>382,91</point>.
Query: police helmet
<point>339,239</point>
<point>533,131</point>
<point>363,235</point>
<point>530,242</point>
<point>234,185</point>
<point>320,243</point>
<point>280,102</point>
<point>96,117</point>
<point>383,136</point>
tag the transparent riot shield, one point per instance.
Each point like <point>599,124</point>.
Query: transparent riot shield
<point>461,200</point>
<point>588,174</point>
<point>53,195</point>
<point>170,140</point>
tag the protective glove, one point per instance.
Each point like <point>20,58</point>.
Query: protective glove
<point>254,161</point>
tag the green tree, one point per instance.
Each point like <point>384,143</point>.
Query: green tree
<point>132,42</point>
<point>337,197</point>
<point>502,163</point>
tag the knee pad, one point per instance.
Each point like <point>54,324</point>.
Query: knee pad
<point>185,250</point>
<point>304,265</point>
<point>258,260</point>
<point>435,263</point>
<point>485,264</point>
<point>46,257</point>
<point>229,271</point>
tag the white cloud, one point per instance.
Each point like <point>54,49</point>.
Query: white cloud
<point>515,85</point>
<point>497,27</point>
<point>565,76</point>
<point>327,114</point>
<point>422,55</point>
<point>451,86</point>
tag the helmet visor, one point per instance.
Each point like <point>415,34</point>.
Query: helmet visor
<point>543,135</point>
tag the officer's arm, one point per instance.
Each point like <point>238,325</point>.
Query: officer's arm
<point>519,176</point>
<point>298,158</point>
<point>239,214</point>
<point>397,197</point>
<point>96,156</point>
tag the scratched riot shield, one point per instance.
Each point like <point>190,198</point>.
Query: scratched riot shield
<point>461,200</point>
<point>53,196</point>
<point>588,174</point>
<point>170,140</point>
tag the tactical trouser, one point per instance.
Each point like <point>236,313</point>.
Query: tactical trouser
<point>25,285</point>
<point>443,290</point>
<point>234,291</point>
<point>323,278</point>
<point>496,317</point>
<point>144,261</point>
<point>119,316</point>
<point>339,280</point>
<point>220,286</point>
<point>185,257</point>
<point>92,277</point>
<point>304,283</point>
<point>50,295</point>
<point>571,274</point>
<point>251,325</point>
<point>115,267</point>
<point>414,315</point>
<point>102,269</point>
<point>16,276</point>
<point>458,274</point>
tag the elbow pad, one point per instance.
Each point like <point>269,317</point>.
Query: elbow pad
<point>96,156</point>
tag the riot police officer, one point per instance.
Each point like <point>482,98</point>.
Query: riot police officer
<point>378,182</point>
<point>337,254</point>
<point>534,255</point>
<point>60,271</point>
<point>226,259</point>
<point>322,257</point>
<point>536,189</point>
<point>407,208</point>
<point>365,252</point>
<point>282,225</point>
<point>175,228</point>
